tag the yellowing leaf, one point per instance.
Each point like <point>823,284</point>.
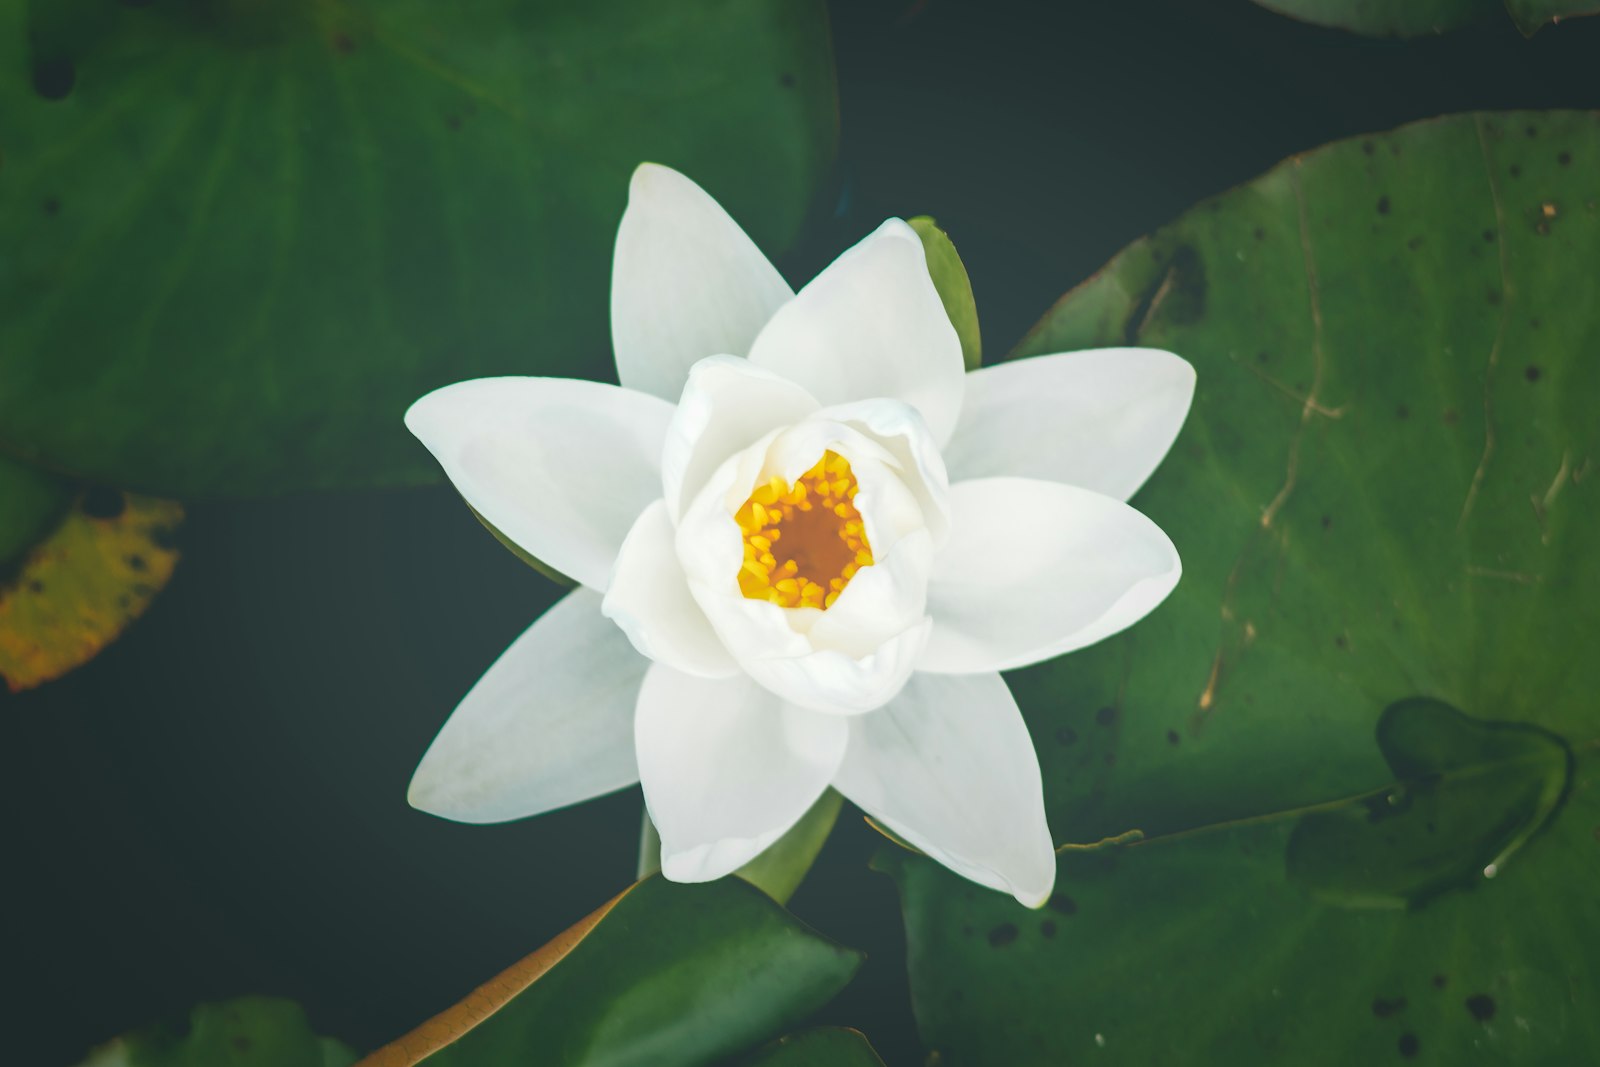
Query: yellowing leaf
<point>77,590</point>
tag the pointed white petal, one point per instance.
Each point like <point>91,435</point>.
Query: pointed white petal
<point>1101,419</point>
<point>550,724</point>
<point>1035,569</point>
<point>728,405</point>
<point>727,768</point>
<point>871,325</point>
<point>649,598</point>
<point>560,466</point>
<point>949,767</point>
<point>686,283</point>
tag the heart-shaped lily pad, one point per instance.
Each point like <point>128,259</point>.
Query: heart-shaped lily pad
<point>240,238</point>
<point>1387,489</point>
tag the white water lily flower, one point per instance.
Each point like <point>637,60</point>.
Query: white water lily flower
<point>807,542</point>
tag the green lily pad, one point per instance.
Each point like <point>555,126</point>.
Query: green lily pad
<point>665,974</point>
<point>1412,18</point>
<point>242,238</point>
<point>1467,796</point>
<point>249,1032</point>
<point>1385,498</point>
<point>824,1046</point>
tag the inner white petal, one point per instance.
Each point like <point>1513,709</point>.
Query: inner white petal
<point>854,653</point>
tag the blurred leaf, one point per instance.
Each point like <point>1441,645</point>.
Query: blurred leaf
<point>1529,15</point>
<point>955,288</point>
<point>249,1032</point>
<point>82,584</point>
<point>824,1046</point>
<point>1385,498</point>
<point>30,503</point>
<point>242,238</point>
<point>664,974</point>
<point>1411,18</point>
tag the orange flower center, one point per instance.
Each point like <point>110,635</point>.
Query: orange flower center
<point>803,542</point>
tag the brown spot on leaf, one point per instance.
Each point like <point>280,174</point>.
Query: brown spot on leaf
<point>1002,935</point>
<point>1383,205</point>
<point>1408,1045</point>
<point>1062,904</point>
<point>1172,737</point>
<point>1106,715</point>
<point>1532,372</point>
<point>1383,1007</point>
<point>1481,1006</point>
<point>53,79</point>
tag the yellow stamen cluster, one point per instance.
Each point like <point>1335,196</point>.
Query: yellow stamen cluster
<point>803,542</point>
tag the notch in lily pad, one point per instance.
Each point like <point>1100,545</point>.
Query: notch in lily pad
<point>1468,794</point>
<point>954,287</point>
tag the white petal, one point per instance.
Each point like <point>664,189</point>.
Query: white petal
<point>550,724</point>
<point>903,433</point>
<point>649,598</point>
<point>871,325</point>
<point>686,283</point>
<point>560,466</point>
<point>882,600</point>
<point>728,405</point>
<point>1101,419</point>
<point>837,683</point>
<point>949,767</point>
<point>727,769</point>
<point>1035,569</point>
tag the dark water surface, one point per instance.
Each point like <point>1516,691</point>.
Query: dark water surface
<point>215,806</point>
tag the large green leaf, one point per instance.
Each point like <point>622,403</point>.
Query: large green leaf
<point>249,1032</point>
<point>241,238</point>
<point>1411,18</point>
<point>1385,499</point>
<point>665,974</point>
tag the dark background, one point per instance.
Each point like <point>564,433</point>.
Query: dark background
<point>216,805</point>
